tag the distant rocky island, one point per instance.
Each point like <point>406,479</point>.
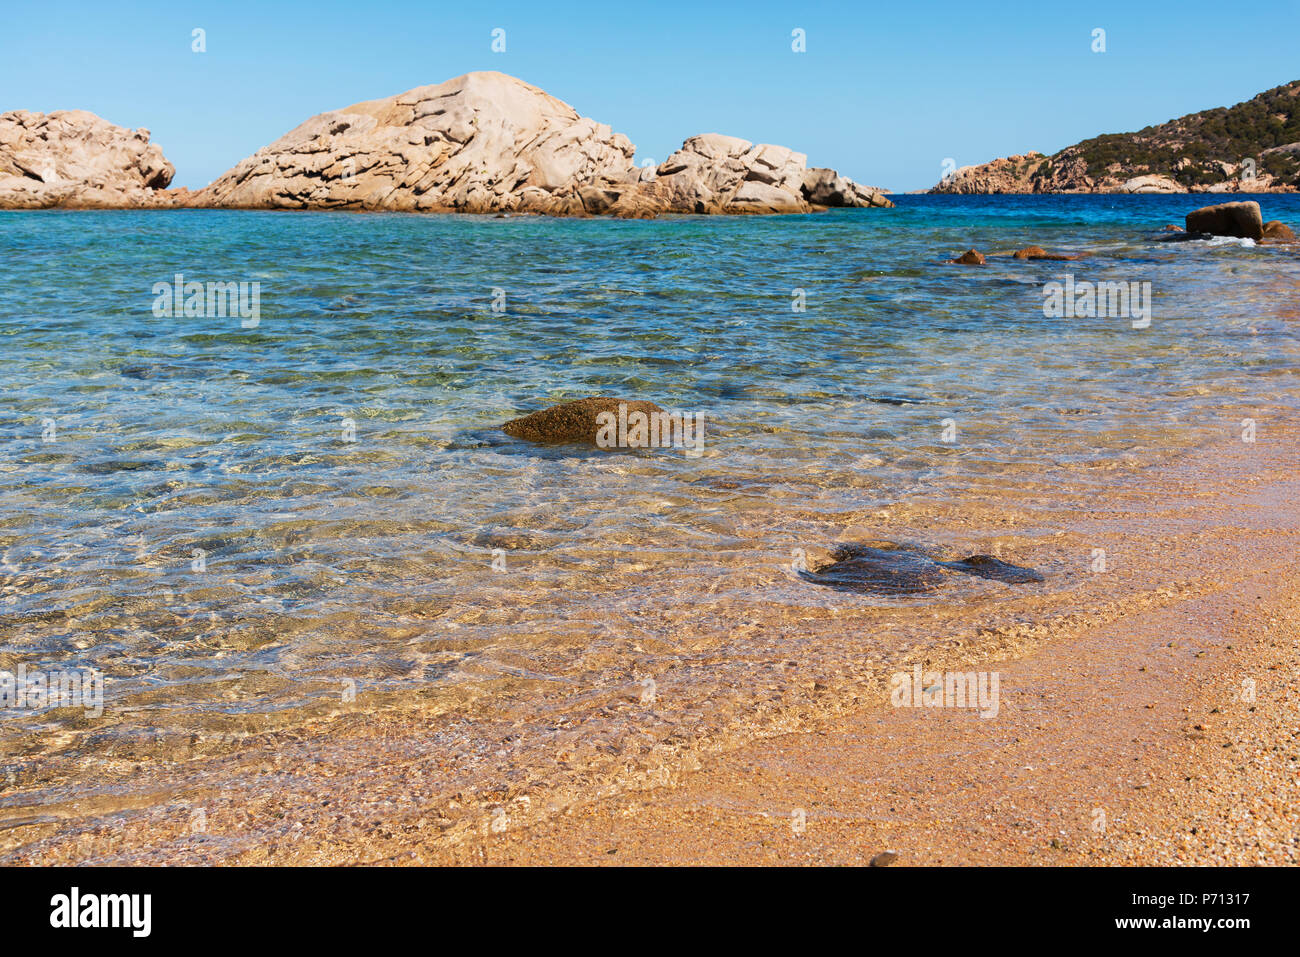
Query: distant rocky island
<point>480,143</point>
<point>1253,147</point>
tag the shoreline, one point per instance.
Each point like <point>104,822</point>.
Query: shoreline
<point>1182,770</point>
<point>1129,742</point>
<point>1139,715</point>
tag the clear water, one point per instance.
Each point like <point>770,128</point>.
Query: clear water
<point>344,575</point>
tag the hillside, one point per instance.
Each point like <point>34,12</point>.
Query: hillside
<point>1210,151</point>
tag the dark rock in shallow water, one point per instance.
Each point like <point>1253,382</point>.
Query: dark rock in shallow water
<point>894,400</point>
<point>122,465</point>
<point>986,566</point>
<point>890,570</point>
<point>971,257</point>
<point>572,421</point>
<point>1242,220</point>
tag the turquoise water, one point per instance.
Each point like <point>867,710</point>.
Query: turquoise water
<point>247,522</point>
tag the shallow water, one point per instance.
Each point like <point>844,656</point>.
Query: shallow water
<point>244,527</point>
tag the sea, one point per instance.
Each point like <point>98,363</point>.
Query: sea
<point>255,497</point>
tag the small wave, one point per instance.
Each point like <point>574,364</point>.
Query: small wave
<point>1225,241</point>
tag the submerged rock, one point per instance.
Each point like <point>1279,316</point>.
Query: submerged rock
<point>986,566</point>
<point>1038,252</point>
<point>75,159</point>
<point>887,569</point>
<point>574,421</point>
<point>1242,220</point>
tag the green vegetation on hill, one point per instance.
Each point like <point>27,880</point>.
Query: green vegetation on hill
<point>1226,134</point>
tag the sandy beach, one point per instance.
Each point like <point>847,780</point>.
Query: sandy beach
<point>1151,732</point>
<point>1128,740</point>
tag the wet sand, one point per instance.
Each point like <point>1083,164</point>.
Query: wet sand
<point>1141,721</point>
<point>1122,737</point>
<point>1169,734</point>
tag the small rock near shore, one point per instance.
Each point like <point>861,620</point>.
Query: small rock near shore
<point>971,257</point>
<point>883,859</point>
<point>1278,232</point>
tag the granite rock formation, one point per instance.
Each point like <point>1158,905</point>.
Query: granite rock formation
<point>75,159</point>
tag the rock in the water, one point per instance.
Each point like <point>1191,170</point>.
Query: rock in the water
<point>1276,231</point>
<point>986,566</point>
<point>1038,252</point>
<point>487,142</point>
<point>825,187</point>
<point>1242,220</point>
<point>888,570</point>
<point>74,159</point>
<point>713,173</point>
<point>482,142</point>
<point>971,257</point>
<point>572,421</point>
<point>1013,174</point>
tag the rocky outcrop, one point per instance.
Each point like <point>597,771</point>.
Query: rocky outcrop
<point>971,257</point>
<point>1242,220</point>
<point>713,173</point>
<point>825,187</point>
<point>1152,184</point>
<point>75,159</point>
<point>483,142</point>
<point>487,142</point>
<point>1014,174</point>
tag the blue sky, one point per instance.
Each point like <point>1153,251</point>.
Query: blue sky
<point>884,93</point>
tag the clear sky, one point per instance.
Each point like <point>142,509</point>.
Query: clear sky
<point>884,92</point>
